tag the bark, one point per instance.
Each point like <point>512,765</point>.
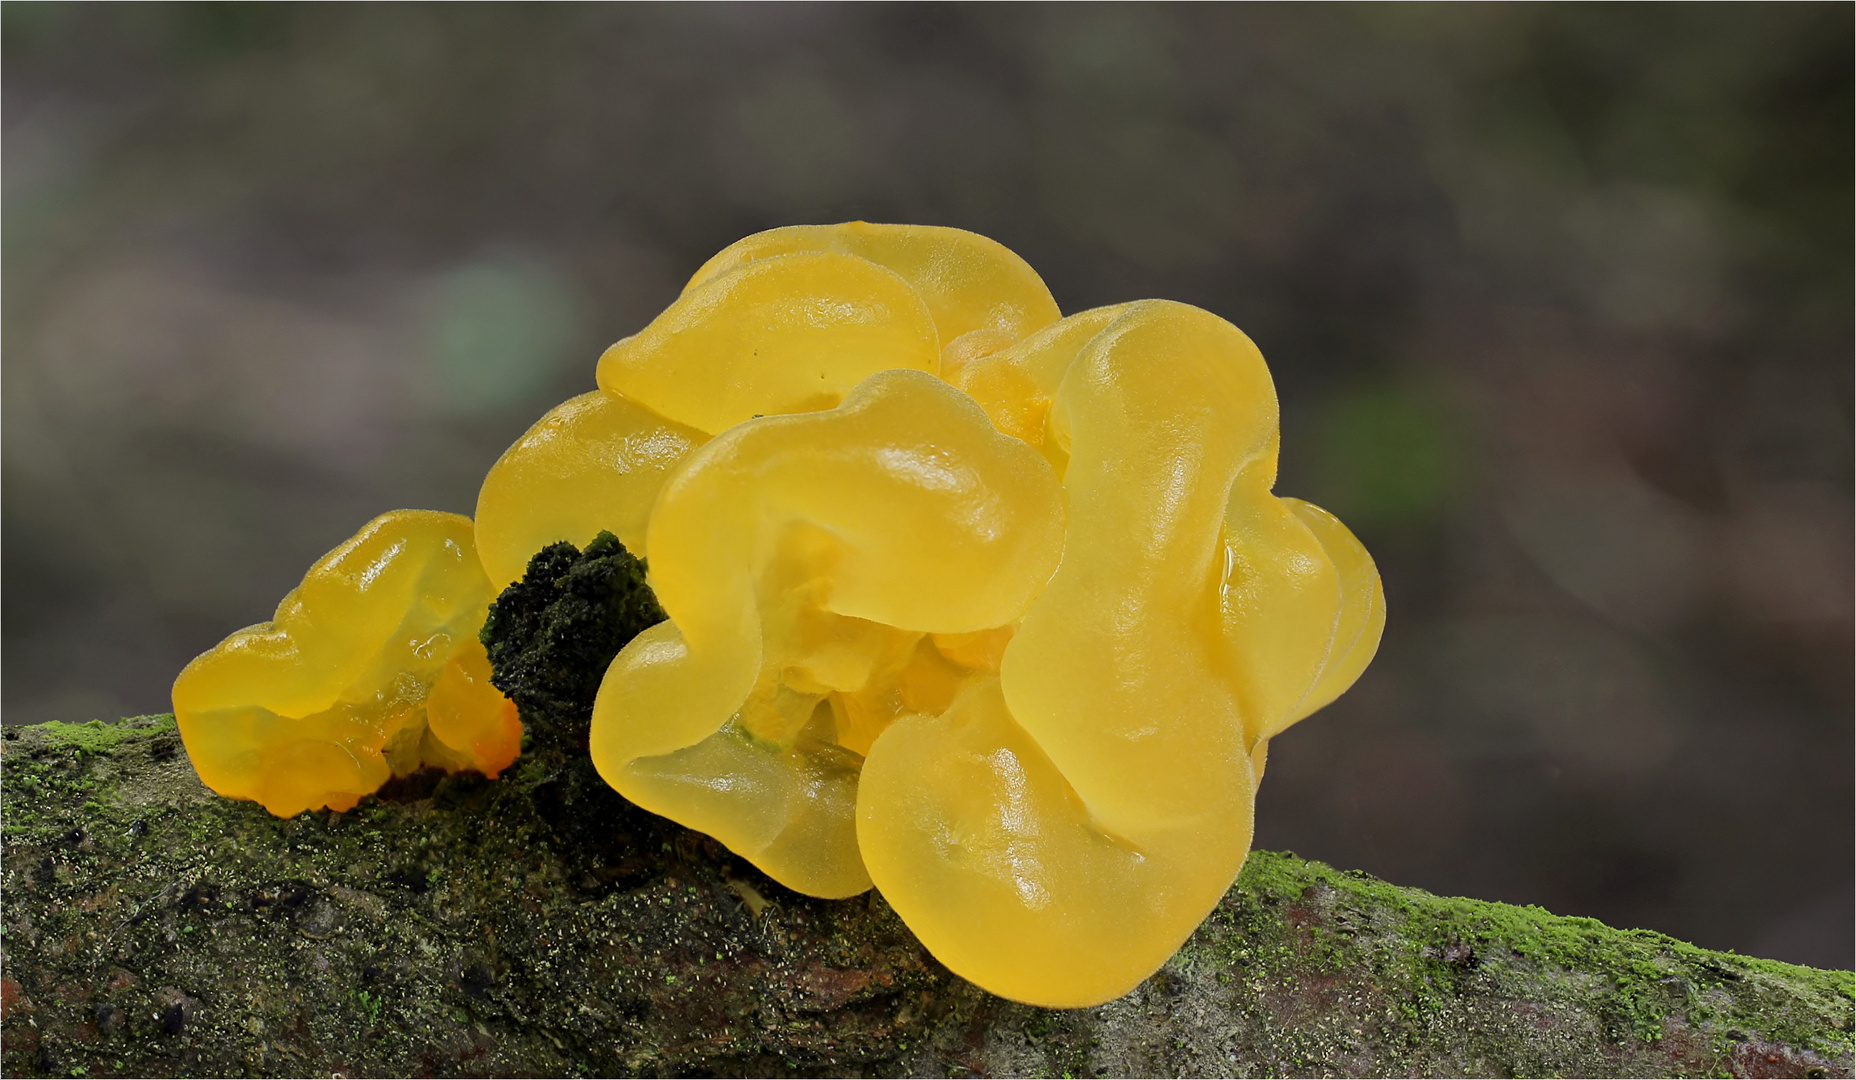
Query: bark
<point>463,926</point>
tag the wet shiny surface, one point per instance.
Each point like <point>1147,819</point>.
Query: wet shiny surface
<point>370,668</point>
<point>1009,646</point>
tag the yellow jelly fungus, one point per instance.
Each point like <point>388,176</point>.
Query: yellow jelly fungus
<point>970,283</point>
<point>990,608</point>
<point>370,668</point>
<point>593,463</point>
<point>783,321</point>
<point>808,557</point>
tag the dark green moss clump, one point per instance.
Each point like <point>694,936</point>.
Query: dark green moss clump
<point>552,635</point>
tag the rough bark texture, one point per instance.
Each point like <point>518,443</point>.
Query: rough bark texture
<point>449,927</point>
<point>541,925</point>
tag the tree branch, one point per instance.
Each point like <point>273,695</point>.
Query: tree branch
<point>458,925</point>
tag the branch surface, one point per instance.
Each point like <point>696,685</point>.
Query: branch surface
<point>526,926</point>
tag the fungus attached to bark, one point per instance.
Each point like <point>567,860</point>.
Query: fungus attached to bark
<point>370,668</point>
<point>1005,632</point>
<point>990,608</point>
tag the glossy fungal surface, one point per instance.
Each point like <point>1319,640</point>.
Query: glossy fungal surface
<point>809,561</point>
<point>991,608</point>
<point>370,668</point>
<point>593,464</point>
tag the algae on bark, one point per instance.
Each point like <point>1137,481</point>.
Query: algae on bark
<point>540,924</point>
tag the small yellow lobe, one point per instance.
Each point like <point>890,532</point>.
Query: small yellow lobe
<point>371,668</point>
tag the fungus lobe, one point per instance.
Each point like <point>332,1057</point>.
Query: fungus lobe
<point>369,669</point>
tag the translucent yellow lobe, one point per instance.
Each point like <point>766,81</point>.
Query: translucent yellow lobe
<point>369,669</point>
<point>968,282</point>
<point>593,464</point>
<point>792,333</point>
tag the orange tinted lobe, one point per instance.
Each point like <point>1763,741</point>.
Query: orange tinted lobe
<point>340,690</point>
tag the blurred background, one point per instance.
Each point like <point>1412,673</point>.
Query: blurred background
<point>1558,300</point>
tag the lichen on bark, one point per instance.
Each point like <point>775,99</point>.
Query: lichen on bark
<point>540,924</point>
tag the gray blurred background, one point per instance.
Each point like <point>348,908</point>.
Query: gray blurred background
<point>1558,301</point>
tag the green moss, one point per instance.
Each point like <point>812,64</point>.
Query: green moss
<point>96,736</point>
<point>1646,978</point>
<point>551,635</point>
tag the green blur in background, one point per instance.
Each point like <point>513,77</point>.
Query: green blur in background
<point>1557,298</point>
